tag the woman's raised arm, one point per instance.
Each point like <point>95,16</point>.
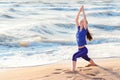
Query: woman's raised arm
<point>77,16</point>
<point>85,19</point>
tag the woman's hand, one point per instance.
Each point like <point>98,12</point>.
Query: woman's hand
<point>81,8</point>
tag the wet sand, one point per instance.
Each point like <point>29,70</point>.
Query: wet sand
<point>107,69</point>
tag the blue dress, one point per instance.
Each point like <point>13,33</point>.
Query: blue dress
<point>81,36</point>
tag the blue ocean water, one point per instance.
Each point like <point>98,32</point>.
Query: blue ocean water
<point>48,29</point>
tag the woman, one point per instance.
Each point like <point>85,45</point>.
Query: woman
<point>81,35</point>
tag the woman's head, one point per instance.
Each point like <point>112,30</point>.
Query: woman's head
<point>82,22</point>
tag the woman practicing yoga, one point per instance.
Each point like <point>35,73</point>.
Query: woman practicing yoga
<point>81,36</point>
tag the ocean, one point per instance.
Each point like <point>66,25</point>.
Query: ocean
<point>39,32</point>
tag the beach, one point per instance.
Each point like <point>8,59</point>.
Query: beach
<point>42,30</point>
<point>107,69</point>
<point>38,39</point>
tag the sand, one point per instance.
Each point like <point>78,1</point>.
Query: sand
<point>107,69</point>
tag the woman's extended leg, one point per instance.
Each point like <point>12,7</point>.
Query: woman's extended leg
<point>92,63</point>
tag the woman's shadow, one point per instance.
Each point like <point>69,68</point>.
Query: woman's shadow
<point>76,75</point>
<point>113,73</point>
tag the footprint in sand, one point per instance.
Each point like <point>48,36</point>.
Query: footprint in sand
<point>56,72</point>
<point>69,76</point>
<point>87,69</point>
<point>47,76</point>
<point>79,67</point>
<point>71,72</point>
<point>98,79</point>
<point>58,69</point>
<point>84,69</point>
<point>91,74</point>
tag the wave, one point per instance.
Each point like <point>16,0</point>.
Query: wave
<point>104,41</point>
<point>100,8</point>
<point>105,14</point>
<point>105,27</point>
<point>66,26</point>
<point>63,9</point>
<point>60,34</point>
<point>40,34</point>
<point>6,38</point>
<point>7,16</point>
<point>41,30</point>
<point>12,10</point>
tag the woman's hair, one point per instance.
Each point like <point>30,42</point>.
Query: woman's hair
<point>89,36</point>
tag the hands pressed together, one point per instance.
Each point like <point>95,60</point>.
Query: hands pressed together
<point>81,8</point>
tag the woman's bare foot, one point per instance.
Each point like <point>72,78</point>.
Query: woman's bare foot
<point>91,65</point>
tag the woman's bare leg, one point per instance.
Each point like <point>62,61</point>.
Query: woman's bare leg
<point>74,65</point>
<point>92,63</point>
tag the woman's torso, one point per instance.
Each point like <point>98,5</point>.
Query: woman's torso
<point>81,36</point>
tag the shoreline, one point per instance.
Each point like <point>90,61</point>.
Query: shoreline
<point>107,69</point>
<point>54,55</point>
<point>61,61</point>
